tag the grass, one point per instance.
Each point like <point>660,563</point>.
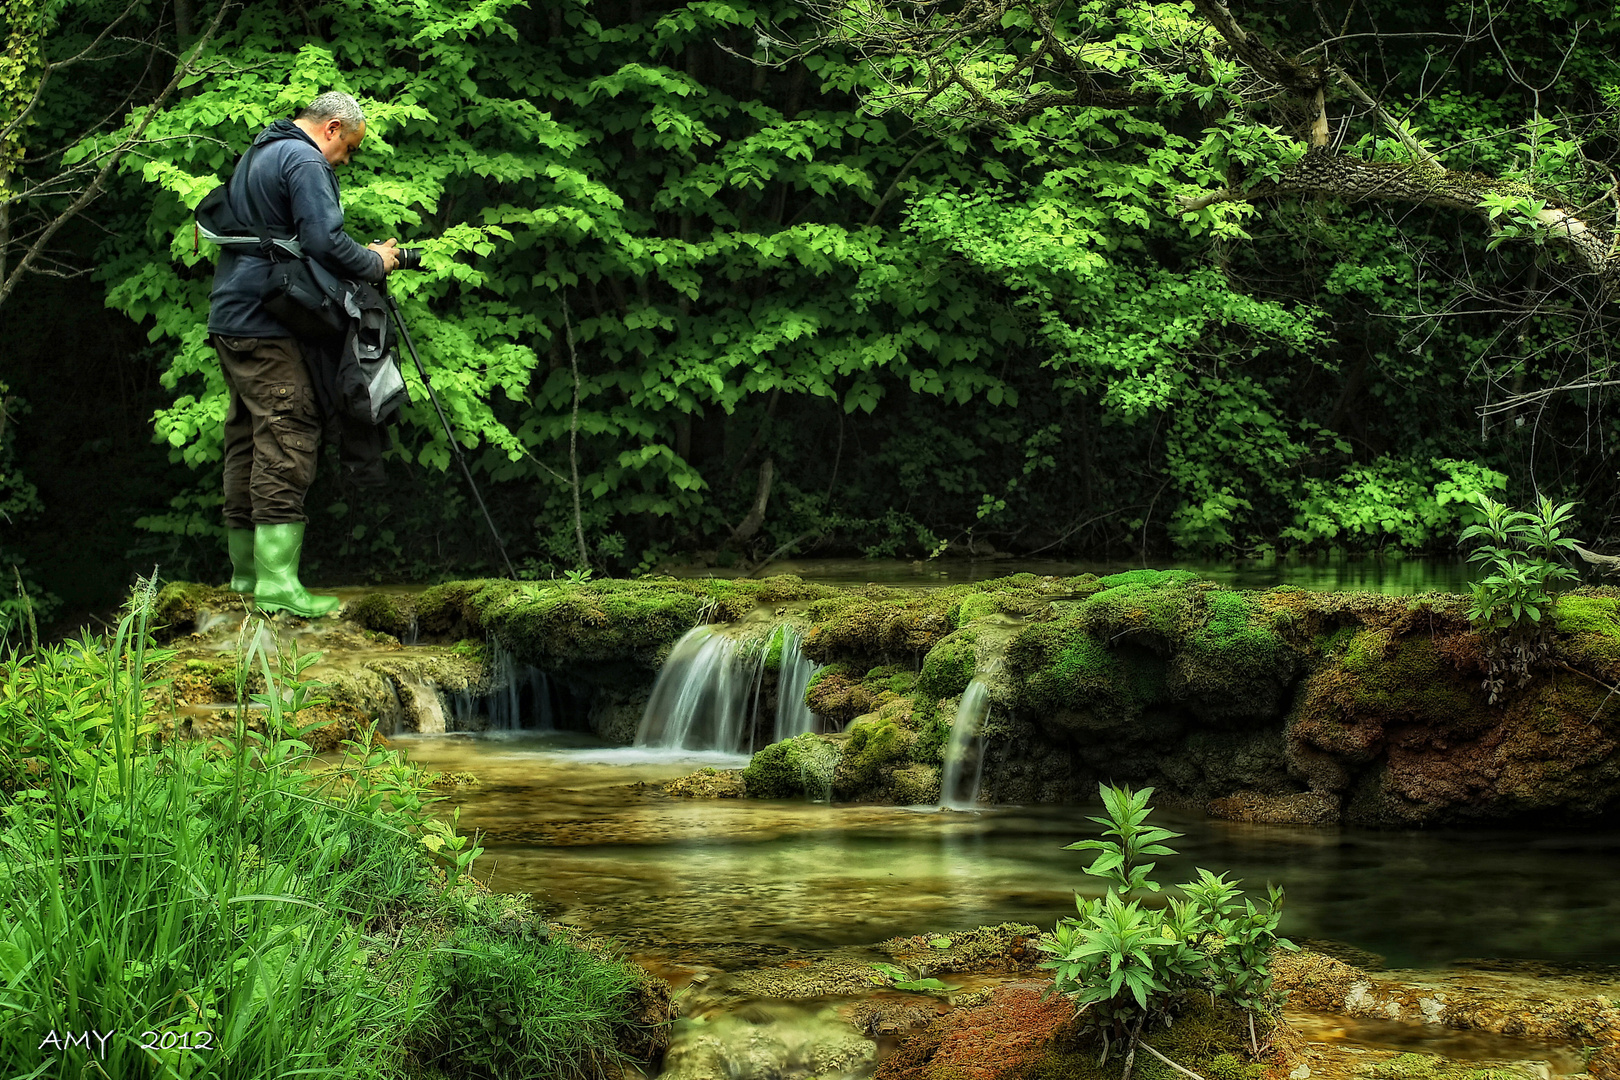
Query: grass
<point>229,911</point>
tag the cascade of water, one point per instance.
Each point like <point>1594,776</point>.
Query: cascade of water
<point>701,699</point>
<point>964,754</point>
<point>426,706</point>
<point>519,698</point>
<point>793,716</point>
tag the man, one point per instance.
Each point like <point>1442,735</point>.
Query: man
<point>272,429</point>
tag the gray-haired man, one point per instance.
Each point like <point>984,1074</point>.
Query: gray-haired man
<point>272,429</point>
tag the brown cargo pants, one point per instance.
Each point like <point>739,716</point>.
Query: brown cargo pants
<point>272,431</point>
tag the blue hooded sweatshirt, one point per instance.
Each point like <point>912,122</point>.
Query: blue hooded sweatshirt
<point>294,187</point>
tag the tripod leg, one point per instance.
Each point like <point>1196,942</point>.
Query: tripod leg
<point>455,447</point>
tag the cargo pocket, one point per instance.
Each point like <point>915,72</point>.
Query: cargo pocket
<point>296,432</point>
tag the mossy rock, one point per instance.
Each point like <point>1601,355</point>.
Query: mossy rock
<point>800,767</point>
<point>883,625</point>
<point>177,605</point>
<point>838,694</point>
<point>1591,625</point>
<point>874,746</point>
<point>385,613</point>
<point>915,785</point>
<point>1235,662</point>
<point>708,783</point>
<point>1060,667</point>
<point>1152,607</point>
<point>949,666</point>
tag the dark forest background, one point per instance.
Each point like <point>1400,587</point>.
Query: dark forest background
<point>795,323</point>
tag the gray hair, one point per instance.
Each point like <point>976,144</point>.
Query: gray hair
<point>334,105</point>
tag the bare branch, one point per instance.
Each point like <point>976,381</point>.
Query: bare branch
<point>94,190</point>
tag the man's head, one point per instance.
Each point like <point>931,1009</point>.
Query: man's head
<point>336,123</point>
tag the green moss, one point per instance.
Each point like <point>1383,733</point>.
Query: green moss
<point>1060,666</point>
<point>1403,677</point>
<point>1587,615</point>
<point>1211,1042</point>
<point>1430,1067</point>
<point>177,605</point>
<point>915,785</point>
<point>386,613</point>
<point>949,666</point>
<point>1592,626</point>
<point>1234,649</point>
<point>1151,607</point>
<point>895,678</point>
<point>794,768</point>
<point>774,647</point>
<point>875,743</point>
<point>1151,578</point>
<point>470,649</point>
<point>975,606</point>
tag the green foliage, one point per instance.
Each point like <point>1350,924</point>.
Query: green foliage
<point>21,597</point>
<point>514,1002</point>
<point>1520,552</point>
<point>1126,963</point>
<point>292,914</point>
<point>1392,502</point>
<point>1007,325</point>
<point>900,979</point>
<point>223,893</point>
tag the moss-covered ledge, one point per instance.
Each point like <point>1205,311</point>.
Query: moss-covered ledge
<point>1283,705</point>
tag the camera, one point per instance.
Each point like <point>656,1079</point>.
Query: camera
<point>410,259</point>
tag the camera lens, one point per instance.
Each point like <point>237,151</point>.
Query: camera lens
<point>410,258</point>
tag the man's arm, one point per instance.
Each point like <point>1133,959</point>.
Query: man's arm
<point>318,217</point>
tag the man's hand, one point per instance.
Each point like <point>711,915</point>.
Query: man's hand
<point>389,250</point>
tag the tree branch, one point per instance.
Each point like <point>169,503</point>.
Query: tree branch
<point>96,187</point>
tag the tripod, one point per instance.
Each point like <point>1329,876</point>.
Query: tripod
<point>455,447</point>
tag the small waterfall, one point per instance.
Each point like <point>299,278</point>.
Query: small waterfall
<point>705,694</point>
<point>519,698</point>
<point>793,716</point>
<point>964,755</point>
<point>509,680</point>
<point>426,706</point>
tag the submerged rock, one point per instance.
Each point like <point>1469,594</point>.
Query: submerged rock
<point>708,783</point>
<point>767,1042</point>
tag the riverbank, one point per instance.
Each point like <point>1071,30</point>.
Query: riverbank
<point>176,906</point>
<point>1277,706</point>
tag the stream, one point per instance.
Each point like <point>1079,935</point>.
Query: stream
<point>696,888</point>
<point>562,818</point>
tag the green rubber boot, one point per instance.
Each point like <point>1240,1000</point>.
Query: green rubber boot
<point>275,559</point>
<point>243,574</point>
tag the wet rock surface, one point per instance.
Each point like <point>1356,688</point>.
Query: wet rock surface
<point>1283,707</point>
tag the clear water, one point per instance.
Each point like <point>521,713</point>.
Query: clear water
<point>563,818</point>
<point>1370,573</point>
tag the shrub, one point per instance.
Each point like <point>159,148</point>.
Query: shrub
<point>1127,964</point>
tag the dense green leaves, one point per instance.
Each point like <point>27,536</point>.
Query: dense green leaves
<point>931,333</point>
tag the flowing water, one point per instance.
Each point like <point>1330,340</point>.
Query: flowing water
<point>793,716</point>
<point>705,693</point>
<point>586,829</point>
<point>964,754</point>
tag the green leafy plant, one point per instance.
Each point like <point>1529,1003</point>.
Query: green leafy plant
<point>901,979</point>
<point>1521,552</point>
<point>1126,964</point>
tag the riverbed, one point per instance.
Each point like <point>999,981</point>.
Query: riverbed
<point>588,831</point>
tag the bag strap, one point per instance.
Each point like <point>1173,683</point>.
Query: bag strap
<point>267,245</point>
